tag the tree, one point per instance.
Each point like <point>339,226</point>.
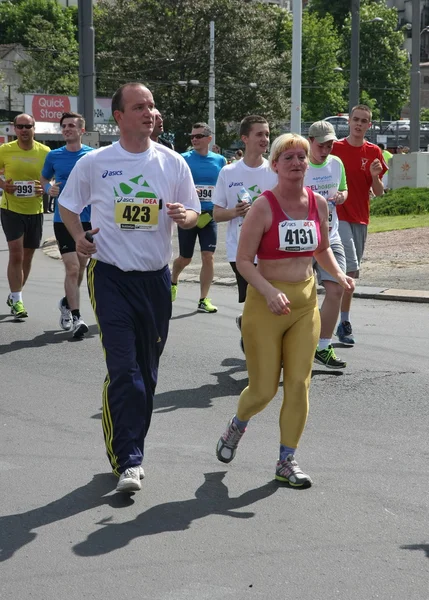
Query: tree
<point>322,86</point>
<point>338,9</point>
<point>164,42</point>
<point>48,33</point>
<point>384,67</point>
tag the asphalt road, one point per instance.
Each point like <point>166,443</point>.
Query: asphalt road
<point>201,530</point>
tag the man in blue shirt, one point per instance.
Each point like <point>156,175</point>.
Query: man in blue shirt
<point>205,168</point>
<point>57,168</point>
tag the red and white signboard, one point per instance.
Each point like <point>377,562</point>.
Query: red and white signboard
<point>49,109</point>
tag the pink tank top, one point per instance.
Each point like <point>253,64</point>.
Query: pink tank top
<point>288,238</point>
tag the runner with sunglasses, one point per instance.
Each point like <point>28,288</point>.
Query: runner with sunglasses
<point>205,167</point>
<point>21,206</point>
<point>58,166</point>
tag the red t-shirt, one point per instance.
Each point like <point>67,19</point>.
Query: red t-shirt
<point>357,161</point>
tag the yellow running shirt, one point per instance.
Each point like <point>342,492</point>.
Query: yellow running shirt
<point>25,167</point>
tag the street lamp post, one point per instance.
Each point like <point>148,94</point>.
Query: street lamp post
<point>415,78</point>
<point>212,121</point>
<point>295,108</point>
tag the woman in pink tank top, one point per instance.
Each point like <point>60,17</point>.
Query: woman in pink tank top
<point>285,228</point>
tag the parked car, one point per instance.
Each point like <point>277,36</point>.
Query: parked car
<point>401,125</point>
<point>340,124</point>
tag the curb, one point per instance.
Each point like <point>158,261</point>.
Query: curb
<point>50,248</point>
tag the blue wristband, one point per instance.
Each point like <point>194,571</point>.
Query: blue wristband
<point>47,187</point>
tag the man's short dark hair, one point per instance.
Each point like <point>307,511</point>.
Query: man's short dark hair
<point>73,115</point>
<point>118,96</point>
<point>381,146</point>
<point>248,122</point>
<point>23,115</point>
<point>202,125</point>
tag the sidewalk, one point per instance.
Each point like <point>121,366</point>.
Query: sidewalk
<point>50,248</point>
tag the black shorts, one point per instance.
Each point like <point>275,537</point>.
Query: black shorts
<point>15,225</point>
<point>64,239</point>
<point>241,282</point>
<point>207,237</point>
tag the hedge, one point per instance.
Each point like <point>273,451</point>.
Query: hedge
<point>402,201</point>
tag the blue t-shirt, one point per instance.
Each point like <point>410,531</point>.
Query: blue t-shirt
<point>59,164</point>
<point>205,171</point>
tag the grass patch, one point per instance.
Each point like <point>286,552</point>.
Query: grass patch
<point>378,224</point>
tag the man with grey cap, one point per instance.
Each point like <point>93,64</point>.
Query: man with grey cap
<point>326,176</point>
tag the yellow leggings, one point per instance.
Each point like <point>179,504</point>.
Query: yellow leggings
<point>270,339</point>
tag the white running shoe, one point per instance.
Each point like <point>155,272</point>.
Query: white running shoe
<point>79,327</point>
<point>141,472</point>
<point>66,319</point>
<point>129,480</point>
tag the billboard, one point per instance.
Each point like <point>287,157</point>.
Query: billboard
<point>47,108</point>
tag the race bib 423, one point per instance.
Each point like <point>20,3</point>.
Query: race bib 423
<point>132,213</point>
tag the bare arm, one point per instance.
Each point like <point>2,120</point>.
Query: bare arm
<point>376,169</point>
<point>185,218</point>
<point>221,215</point>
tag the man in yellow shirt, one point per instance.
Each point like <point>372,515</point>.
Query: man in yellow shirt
<point>21,205</point>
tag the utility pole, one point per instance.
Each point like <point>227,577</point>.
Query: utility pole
<point>295,108</point>
<point>212,121</point>
<point>415,79</point>
<point>86,62</point>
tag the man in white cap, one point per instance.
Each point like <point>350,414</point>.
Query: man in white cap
<point>326,176</point>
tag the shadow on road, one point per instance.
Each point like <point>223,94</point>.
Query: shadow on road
<point>53,336</point>
<point>211,498</point>
<point>424,547</point>
<point>17,530</point>
<point>184,316</point>
<point>202,396</point>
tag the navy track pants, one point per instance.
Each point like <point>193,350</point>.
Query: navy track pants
<point>133,310</point>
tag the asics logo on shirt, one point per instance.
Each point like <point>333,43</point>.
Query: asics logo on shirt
<point>110,173</point>
<point>233,183</point>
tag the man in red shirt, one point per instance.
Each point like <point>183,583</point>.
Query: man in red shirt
<point>365,168</point>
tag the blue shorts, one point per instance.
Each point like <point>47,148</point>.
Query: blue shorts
<point>207,237</point>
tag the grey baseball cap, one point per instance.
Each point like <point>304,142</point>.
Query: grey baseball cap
<point>322,131</point>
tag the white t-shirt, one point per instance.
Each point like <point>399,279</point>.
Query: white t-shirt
<point>128,195</point>
<point>232,178</point>
<point>327,179</point>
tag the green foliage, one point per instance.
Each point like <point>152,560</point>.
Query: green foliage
<point>424,114</point>
<point>48,33</point>
<point>164,42</point>
<point>402,201</point>
<point>384,67</point>
<point>339,9</point>
<point>322,87</point>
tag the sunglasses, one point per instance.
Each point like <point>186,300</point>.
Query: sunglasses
<point>198,136</point>
<point>23,126</point>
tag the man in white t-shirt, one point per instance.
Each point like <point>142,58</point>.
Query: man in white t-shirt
<point>239,184</point>
<point>137,190</point>
<point>326,176</point>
